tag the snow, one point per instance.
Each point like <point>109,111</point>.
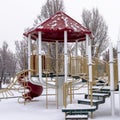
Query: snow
<point>11,109</point>
<point>87,100</point>
<point>79,106</point>
<point>100,94</point>
<point>99,87</point>
<point>76,116</point>
<point>66,21</point>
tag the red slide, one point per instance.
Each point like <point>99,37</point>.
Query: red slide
<point>34,90</point>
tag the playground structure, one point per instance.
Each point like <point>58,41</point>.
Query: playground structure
<point>34,90</point>
<point>59,28</point>
<point>99,76</point>
<point>22,86</point>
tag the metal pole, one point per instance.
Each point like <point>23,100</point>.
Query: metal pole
<point>29,55</point>
<point>76,50</point>
<point>90,63</point>
<point>40,55</point>
<point>111,79</point>
<point>65,55</point>
<point>87,41</point>
<point>57,93</point>
<point>90,76</point>
<point>76,55</point>
<point>118,52</point>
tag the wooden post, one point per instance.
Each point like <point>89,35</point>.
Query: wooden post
<point>70,92</point>
<point>46,91</point>
<point>65,94</point>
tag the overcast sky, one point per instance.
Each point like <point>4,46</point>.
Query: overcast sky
<point>16,15</point>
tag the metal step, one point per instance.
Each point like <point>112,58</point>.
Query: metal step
<point>77,117</point>
<point>97,96</point>
<point>105,88</point>
<point>73,109</point>
<point>102,92</point>
<point>88,101</point>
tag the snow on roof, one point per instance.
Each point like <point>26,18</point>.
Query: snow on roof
<point>54,27</point>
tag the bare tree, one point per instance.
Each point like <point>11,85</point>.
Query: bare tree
<point>21,54</point>
<point>7,63</point>
<point>96,24</point>
<point>106,54</point>
<point>49,9</point>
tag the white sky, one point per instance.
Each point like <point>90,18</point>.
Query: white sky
<point>16,15</point>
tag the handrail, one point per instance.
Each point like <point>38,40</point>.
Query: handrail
<point>80,86</point>
<point>7,91</point>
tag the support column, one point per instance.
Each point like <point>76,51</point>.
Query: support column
<point>90,63</point>
<point>90,76</point>
<point>118,53</point>
<point>111,79</point>
<point>60,83</point>
<point>63,82</point>
<point>65,55</point>
<point>40,55</point>
<point>58,93</point>
<point>76,55</point>
<point>76,50</point>
<point>87,41</point>
<point>29,55</point>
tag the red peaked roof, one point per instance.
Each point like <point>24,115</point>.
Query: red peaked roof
<point>53,29</point>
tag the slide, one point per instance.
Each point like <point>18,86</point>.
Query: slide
<point>34,90</point>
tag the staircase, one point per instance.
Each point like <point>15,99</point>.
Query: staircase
<point>99,95</point>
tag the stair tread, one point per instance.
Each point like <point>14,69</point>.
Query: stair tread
<point>99,94</point>
<point>99,91</point>
<point>88,100</point>
<point>79,107</point>
<point>77,116</point>
<point>99,87</point>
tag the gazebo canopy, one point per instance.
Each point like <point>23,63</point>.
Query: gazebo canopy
<point>53,29</point>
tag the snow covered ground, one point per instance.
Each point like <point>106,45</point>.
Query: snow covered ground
<point>11,109</point>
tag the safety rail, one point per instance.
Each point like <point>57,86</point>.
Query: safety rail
<point>7,92</point>
<point>68,91</point>
<point>24,85</point>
